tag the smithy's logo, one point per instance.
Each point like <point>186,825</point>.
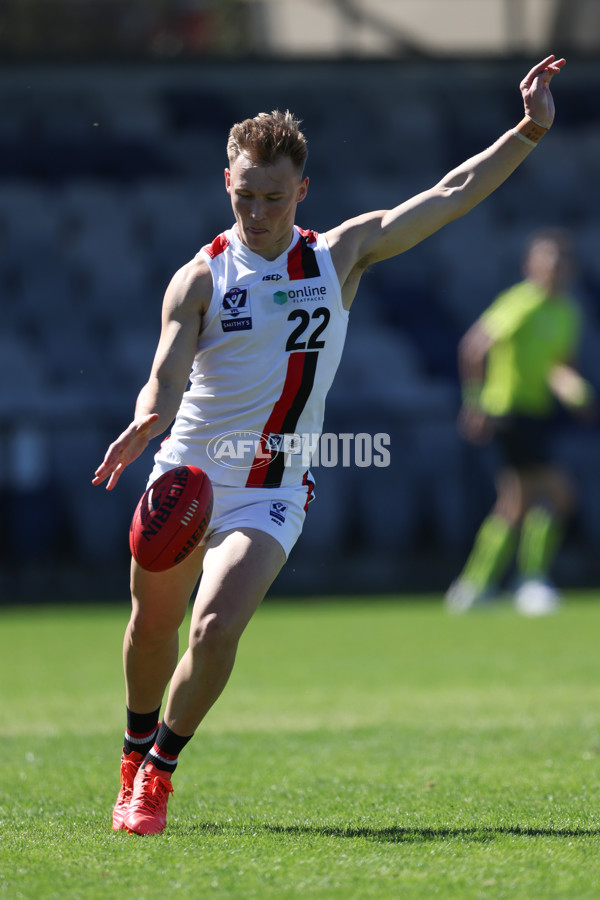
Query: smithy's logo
<point>235,310</point>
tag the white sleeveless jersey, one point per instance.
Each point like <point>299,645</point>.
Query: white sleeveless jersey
<point>270,345</point>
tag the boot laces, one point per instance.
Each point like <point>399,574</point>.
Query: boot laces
<point>155,793</point>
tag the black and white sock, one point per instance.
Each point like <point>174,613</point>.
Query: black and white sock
<point>141,731</point>
<point>166,749</point>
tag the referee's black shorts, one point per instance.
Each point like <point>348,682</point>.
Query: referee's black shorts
<point>524,442</point>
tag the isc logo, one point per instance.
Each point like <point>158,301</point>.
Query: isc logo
<point>275,277</point>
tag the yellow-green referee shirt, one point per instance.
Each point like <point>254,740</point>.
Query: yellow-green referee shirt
<point>531,335</point>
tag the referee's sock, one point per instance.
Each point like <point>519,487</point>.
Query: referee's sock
<point>491,554</point>
<point>166,749</point>
<point>541,534</point>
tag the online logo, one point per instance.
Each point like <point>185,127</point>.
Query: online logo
<point>300,295</point>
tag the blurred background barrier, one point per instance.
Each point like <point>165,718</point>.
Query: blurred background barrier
<point>113,123</point>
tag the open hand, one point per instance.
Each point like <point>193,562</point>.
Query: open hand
<point>535,89</point>
<point>127,447</point>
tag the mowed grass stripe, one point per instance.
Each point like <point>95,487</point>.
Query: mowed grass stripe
<point>364,748</point>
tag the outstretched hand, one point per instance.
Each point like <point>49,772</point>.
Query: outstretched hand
<point>535,89</point>
<point>127,447</point>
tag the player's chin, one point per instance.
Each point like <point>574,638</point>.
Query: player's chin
<point>258,236</point>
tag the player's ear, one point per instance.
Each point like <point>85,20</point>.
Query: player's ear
<point>302,190</point>
<point>227,181</point>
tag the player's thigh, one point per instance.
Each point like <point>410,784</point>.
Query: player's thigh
<point>160,600</point>
<point>550,485</point>
<point>239,567</point>
<point>511,491</point>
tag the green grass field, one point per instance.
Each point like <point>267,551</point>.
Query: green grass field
<point>374,748</point>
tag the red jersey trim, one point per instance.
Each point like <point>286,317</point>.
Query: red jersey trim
<point>302,259</point>
<point>310,235</point>
<point>219,244</point>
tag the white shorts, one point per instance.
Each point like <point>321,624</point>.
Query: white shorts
<point>279,512</point>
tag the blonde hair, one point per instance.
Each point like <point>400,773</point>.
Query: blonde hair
<point>267,138</point>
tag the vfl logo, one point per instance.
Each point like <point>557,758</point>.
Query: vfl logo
<point>235,310</point>
<point>274,442</point>
<point>277,512</point>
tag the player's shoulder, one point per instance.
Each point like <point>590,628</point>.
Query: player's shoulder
<point>194,274</point>
<point>522,290</point>
<point>192,284</point>
<point>216,247</point>
<point>347,242</point>
<point>352,230</point>
<point>520,298</point>
<point>509,311</point>
<point>308,235</point>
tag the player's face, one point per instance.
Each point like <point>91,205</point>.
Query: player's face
<point>264,200</point>
<point>549,264</point>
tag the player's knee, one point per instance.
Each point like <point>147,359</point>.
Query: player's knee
<point>214,633</point>
<point>511,509</point>
<point>562,495</point>
<point>152,626</point>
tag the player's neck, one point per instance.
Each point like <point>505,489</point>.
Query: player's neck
<point>268,252</point>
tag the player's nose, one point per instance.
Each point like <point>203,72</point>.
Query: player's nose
<point>258,210</point>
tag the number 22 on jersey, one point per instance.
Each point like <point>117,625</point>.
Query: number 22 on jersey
<point>307,333</point>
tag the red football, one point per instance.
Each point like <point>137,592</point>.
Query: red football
<point>171,518</point>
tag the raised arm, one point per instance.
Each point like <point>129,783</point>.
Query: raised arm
<point>185,300</point>
<point>367,239</point>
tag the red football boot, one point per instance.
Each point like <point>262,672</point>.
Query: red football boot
<point>147,812</point>
<point>130,763</point>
